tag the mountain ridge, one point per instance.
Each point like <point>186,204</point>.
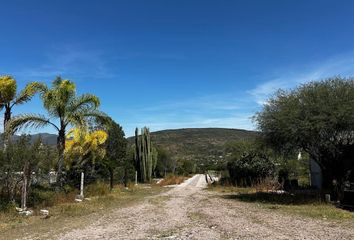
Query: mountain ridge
<point>200,145</point>
<point>203,146</point>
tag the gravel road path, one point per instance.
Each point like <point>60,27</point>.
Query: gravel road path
<point>190,212</point>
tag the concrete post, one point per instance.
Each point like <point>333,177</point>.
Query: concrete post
<point>24,192</point>
<point>82,185</point>
<point>136,177</point>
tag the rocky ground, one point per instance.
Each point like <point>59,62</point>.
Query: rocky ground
<point>189,211</point>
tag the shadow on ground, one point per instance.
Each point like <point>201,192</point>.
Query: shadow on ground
<point>277,198</point>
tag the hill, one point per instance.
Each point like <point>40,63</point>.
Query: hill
<point>47,138</point>
<point>204,146</point>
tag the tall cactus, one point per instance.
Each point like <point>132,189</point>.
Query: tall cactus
<point>145,155</point>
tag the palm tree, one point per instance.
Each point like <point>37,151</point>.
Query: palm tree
<point>8,97</point>
<point>61,103</point>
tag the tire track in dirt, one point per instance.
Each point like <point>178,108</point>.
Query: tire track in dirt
<point>189,212</point>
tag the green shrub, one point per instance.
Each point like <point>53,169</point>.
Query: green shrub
<point>42,197</point>
<point>97,189</point>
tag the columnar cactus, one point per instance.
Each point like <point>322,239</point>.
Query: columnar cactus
<point>145,155</point>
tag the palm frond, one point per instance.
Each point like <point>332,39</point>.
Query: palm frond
<point>29,91</point>
<point>83,102</point>
<point>27,121</point>
<point>98,116</point>
<point>2,105</point>
<point>81,118</point>
<point>75,119</point>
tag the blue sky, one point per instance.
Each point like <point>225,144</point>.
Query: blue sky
<point>173,64</point>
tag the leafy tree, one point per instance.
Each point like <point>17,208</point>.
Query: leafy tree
<point>164,162</point>
<point>9,97</point>
<point>61,103</point>
<point>17,163</point>
<point>317,118</point>
<point>186,167</point>
<point>116,149</point>
<point>250,163</point>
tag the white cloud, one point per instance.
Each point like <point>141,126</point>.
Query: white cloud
<point>340,65</point>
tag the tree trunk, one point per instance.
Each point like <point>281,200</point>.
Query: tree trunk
<point>125,177</point>
<point>111,178</point>
<point>11,190</point>
<point>25,180</point>
<point>60,147</point>
<point>7,116</point>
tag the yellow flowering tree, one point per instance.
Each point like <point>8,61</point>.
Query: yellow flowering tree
<point>10,98</point>
<point>83,147</point>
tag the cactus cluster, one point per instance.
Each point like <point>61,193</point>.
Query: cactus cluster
<point>145,155</point>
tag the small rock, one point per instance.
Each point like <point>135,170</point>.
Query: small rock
<point>79,197</point>
<point>19,209</point>
<point>44,212</point>
<point>78,200</point>
<point>171,237</point>
<point>26,213</point>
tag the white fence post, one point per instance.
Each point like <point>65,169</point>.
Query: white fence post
<point>82,185</point>
<point>136,177</point>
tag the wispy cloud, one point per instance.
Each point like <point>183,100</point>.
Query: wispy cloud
<point>235,110</point>
<point>339,65</point>
<point>69,60</point>
<point>222,110</point>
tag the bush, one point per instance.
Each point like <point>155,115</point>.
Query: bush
<point>97,189</point>
<point>249,165</point>
<point>47,197</point>
<point>186,167</point>
<point>43,197</point>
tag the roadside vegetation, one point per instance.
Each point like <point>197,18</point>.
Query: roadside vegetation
<point>37,176</point>
<point>65,214</point>
<point>270,168</point>
<point>302,204</point>
<point>313,122</point>
<point>172,179</point>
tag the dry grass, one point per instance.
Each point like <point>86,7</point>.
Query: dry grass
<point>67,214</point>
<point>302,204</point>
<point>230,189</point>
<point>317,210</point>
<point>172,180</point>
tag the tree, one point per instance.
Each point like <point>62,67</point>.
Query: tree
<point>83,148</point>
<point>164,162</point>
<point>61,103</point>
<point>9,97</point>
<point>317,118</point>
<point>116,149</point>
<point>250,163</point>
<point>17,163</point>
<point>186,166</point>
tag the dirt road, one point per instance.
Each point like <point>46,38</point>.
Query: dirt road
<point>190,212</point>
